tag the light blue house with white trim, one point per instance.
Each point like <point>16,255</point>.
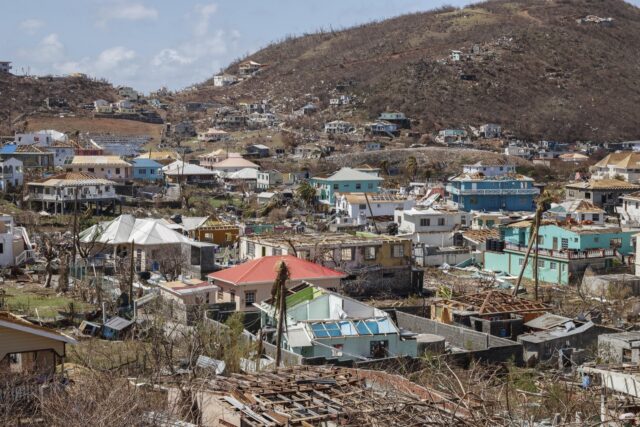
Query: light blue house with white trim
<point>346,180</point>
<point>564,251</point>
<point>492,188</point>
<point>146,170</point>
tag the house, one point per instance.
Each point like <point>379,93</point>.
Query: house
<point>324,324</point>
<point>453,137</point>
<point>620,383</point>
<point>209,159</point>
<point>308,109</point>
<point>258,151</point>
<point>259,120</point>
<point>575,158</point>
<point>5,66</point>
<point>492,187</point>
<point>494,312</point>
<point>106,167</point>
<point>341,100</point>
<point>124,106</point>
<point>210,229</point>
<point>146,170</point>
<point>373,146</point>
<point>396,118</point>
<point>576,211</point>
<point>63,152</point>
<point>41,138</point>
<point>430,226</point>
<point>188,298</point>
<point>179,171</point>
<point>60,193</point>
<point>32,157</point>
<point>102,106</point>
<point>490,130</point>
<point>268,179</point>
<point>242,180</point>
<point>519,151</point>
<point>222,80</point>
<point>455,55</point>
<point>624,165</point>
<point>345,180</point>
<point>233,164</point>
<point>605,193</point>
<point>251,282</point>
<point>119,145</point>
<point>310,151</point>
<point>249,68</point>
<point>629,212</point>
<point>213,135</point>
<point>360,206</point>
<point>564,251</point>
<point>29,349</point>
<point>338,127</point>
<point>157,247</point>
<point>382,262</point>
<point>11,174</point>
<point>382,128</point>
<point>117,328</point>
<point>15,245</point>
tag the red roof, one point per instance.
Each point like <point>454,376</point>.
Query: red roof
<point>263,270</point>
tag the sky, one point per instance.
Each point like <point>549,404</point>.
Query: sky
<point>174,43</point>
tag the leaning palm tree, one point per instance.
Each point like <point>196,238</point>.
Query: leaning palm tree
<point>278,296</point>
<point>306,193</point>
<point>541,203</point>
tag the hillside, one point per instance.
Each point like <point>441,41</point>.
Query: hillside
<point>537,72</point>
<point>21,96</point>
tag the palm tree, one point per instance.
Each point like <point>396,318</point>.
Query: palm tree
<point>412,167</point>
<point>541,205</point>
<point>306,193</point>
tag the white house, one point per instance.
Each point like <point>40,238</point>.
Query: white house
<point>625,164</point>
<point>124,106</point>
<point>456,55</point>
<point>248,68</point>
<point>5,66</point>
<point>578,211</point>
<point>222,80</point>
<point>518,151</point>
<point>630,210</point>
<point>490,130</point>
<point>433,227</point>
<point>41,138</point>
<point>213,135</point>
<point>268,179</point>
<point>360,206</point>
<point>102,106</point>
<point>338,126</point>
<point>488,170</point>
<point>11,174</point>
<point>15,246</point>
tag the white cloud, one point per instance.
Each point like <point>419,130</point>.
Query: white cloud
<point>115,64</point>
<point>119,10</point>
<point>49,49</point>
<point>30,26</point>
<point>170,56</point>
<point>203,14</point>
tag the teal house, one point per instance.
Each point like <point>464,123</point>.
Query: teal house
<point>146,170</point>
<point>346,180</point>
<point>564,251</point>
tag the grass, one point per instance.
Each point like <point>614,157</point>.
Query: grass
<point>218,203</point>
<point>26,299</point>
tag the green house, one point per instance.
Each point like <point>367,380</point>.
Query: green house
<point>346,180</point>
<point>564,251</point>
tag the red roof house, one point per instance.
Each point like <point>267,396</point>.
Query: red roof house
<point>252,281</point>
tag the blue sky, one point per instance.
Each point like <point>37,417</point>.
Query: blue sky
<point>174,43</point>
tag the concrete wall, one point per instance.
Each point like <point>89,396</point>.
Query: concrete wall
<point>479,345</point>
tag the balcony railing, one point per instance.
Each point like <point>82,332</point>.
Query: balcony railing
<point>493,191</point>
<point>70,197</point>
<point>566,253</point>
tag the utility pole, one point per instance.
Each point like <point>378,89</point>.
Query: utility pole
<point>132,265</point>
<point>75,228</point>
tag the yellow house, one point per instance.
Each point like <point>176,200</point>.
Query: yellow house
<point>25,347</point>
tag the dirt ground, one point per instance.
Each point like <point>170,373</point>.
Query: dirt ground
<point>90,124</point>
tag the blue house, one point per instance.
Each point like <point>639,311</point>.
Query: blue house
<point>346,180</point>
<point>564,250</point>
<point>492,188</point>
<point>146,170</point>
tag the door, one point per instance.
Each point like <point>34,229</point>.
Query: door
<point>555,243</point>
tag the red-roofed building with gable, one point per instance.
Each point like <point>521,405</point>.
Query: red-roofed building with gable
<point>252,281</point>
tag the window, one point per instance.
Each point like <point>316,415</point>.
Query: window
<point>615,243</point>
<point>596,239</point>
<point>208,299</point>
<point>303,254</point>
<point>220,294</point>
<point>328,255</point>
<point>358,186</point>
<point>370,185</point>
<point>276,251</point>
<point>520,261</point>
<point>397,251</point>
<point>1,248</point>
<point>249,298</point>
<point>540,240</point>
<point>370,252</point>
<point>596,217</point>
<point>346,254</point>
<point>117,171</point>
<point>91,170</point>
<point>232,293</point>
<point>553,265</point>
<point>251,249</point>
<point>336,186</point>
<point>362,206</point>
<point>379,349</point>
<point>143,171</point>
<point>540,263</point>
<point>564,243</point>
<point>440,221</point>
<point>425,222</point>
